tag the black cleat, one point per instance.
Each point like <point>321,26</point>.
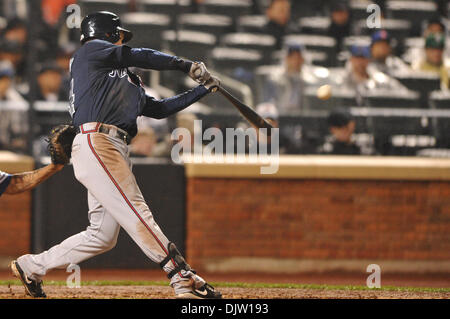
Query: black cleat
<point>32,286</point>
<point>204,292</point>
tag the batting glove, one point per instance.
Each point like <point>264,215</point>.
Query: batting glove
<point>212,84</point>
<point>199,73</point>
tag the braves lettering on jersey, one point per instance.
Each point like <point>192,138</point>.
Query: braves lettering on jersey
<point>4,181</point>
<point>104,90</point>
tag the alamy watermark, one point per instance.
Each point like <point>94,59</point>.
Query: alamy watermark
<point>252,146</point>
<point>74,18</point>
<point>74,279</point>
<point>374,279</point>
<point>373,21</point>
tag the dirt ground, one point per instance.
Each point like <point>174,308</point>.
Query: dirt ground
<point>165,292</point>
<point>160,292</point>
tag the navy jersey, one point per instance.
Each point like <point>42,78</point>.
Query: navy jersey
<point>104,90</point>
<point>4,181</point>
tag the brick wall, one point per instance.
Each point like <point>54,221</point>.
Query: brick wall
<point>317,219</point>
<point>15,224</point>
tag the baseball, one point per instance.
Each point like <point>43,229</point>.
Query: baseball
<point>324,92</point>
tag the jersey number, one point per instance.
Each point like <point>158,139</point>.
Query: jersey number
<point>71,99</point>
<point>71,94</point>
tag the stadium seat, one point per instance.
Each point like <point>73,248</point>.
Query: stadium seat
<point>440,100</point>
<point>172,8</point>
<point>312,57</point>
<point>251,23</point>
<point>358,9</point>
<point>230,8</point>
<point>230,58</point>
<point>422,82</point>
<point>417,12</point>
<point>193,45</point>
<point>314,25</point>
<point>386,123</point>
<point>434,152</point>
<point>215,24</point>
<point>307,8</point>
<point>409,145</point>
<point>237,64</point>
<point>316,43</point>
<point>147,28</point>
<point>392,99</point>
<point>117,6</point>
<point>263,43</point>
<point>169,7</point>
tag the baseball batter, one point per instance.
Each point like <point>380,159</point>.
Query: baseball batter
<point>106,98</point>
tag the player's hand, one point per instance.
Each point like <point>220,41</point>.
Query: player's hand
<point>199,73</point>
<point>212,84</point>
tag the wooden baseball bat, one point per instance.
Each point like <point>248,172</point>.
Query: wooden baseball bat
<point>250,115</point>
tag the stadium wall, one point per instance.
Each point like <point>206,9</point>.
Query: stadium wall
<point>320,214</point>
<point>15,211</point>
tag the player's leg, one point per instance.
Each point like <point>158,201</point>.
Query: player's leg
<point>100,236</point>
<point>103,166</point>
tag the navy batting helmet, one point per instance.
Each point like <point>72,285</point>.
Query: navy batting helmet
<point>103,25</point>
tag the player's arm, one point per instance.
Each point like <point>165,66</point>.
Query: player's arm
<point>163,108</point>
<point>159,109</point>
<point>25,181</point>
<point>113,56</point>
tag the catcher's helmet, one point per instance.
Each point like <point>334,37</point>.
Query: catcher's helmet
<point>103,25</point>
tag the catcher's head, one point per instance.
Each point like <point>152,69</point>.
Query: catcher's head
<point>103,25</point>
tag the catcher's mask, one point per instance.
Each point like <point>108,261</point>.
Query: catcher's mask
<point>103,25</point>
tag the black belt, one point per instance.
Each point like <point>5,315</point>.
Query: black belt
<point>107,128</point>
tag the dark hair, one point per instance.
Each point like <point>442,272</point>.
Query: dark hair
<point>273,1</point>
<point>339,117</point>
<point>436,20</point>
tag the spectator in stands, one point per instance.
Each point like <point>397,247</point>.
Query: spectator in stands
<point>278,15</point>
<point>434,25</point>
<point>382,58</point>
<point>7,90</point>
<point>285,88</point>
<point>16,30</point>
<point>50,83</point>
<point>434,58</point>
<point>342,126</point>
<point>340,22</point>
<point>11,51</point>
<point>357,73</point>
<point>13,123</point>
<point>14,46</point>
<point>362,79</point>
